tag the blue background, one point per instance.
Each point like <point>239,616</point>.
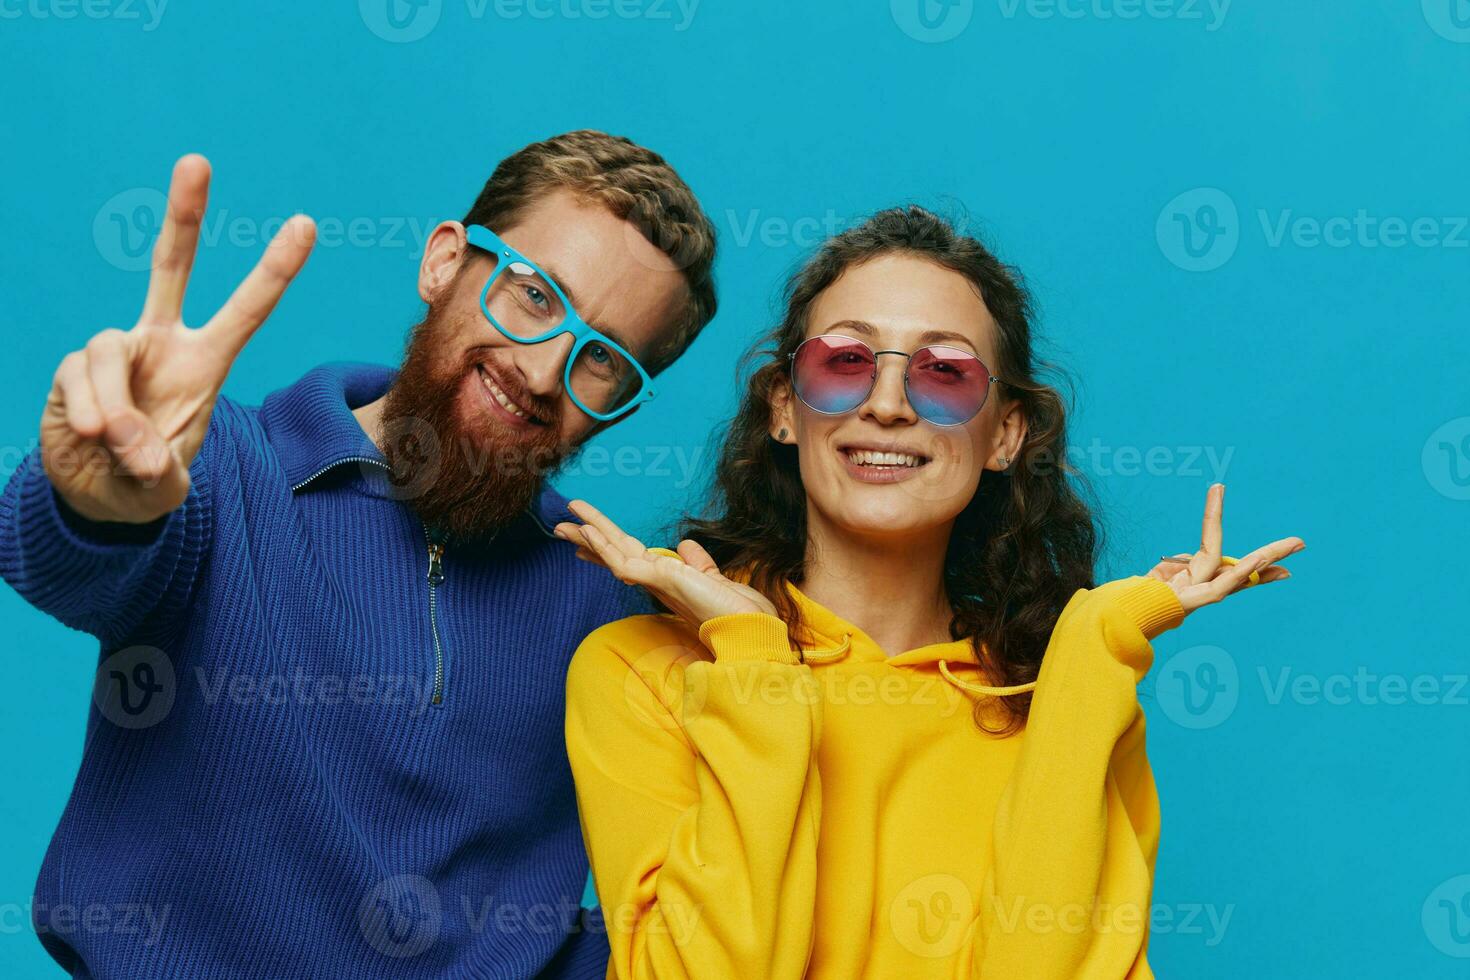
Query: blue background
<point>1324,383</point>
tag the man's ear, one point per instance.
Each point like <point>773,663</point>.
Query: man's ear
<point>444,253</point>
<point>783,418</point>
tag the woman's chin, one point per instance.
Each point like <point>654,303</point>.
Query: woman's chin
<point>895,518</point>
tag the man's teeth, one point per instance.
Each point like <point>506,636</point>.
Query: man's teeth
<point>868,457</point>
<point>501,398</point>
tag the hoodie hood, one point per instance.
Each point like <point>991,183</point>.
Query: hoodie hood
<point>827,638</point>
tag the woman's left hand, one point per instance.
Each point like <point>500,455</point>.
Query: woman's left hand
<point>1207,579</point>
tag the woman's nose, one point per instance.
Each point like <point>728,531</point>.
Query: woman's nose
<point>888,403</point>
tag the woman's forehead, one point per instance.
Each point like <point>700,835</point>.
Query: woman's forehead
<point>902,302</point>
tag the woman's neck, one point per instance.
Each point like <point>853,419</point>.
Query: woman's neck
<point>890,588</point>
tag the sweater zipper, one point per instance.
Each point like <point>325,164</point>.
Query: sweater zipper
<point>336,463</point>
<point>436,540</point>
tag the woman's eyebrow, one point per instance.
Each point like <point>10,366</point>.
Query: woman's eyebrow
<point>927,337</point>
<point>935,336</point>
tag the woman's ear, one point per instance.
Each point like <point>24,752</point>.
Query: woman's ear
<point>783,419</point>
<point>1012,436</point>
<point>444,253</point>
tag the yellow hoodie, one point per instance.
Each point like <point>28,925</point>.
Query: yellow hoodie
<point>755,813</point>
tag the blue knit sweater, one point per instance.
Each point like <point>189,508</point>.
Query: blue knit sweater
<point>303,759</point>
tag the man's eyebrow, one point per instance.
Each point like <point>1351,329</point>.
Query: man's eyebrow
<point>566,291</point>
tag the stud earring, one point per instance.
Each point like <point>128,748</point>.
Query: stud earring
<point>1004,462</point>
<point>781,436</point>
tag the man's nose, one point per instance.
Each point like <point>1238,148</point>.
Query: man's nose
<point>543,365</point>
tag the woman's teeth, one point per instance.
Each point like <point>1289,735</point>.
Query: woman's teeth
<point>868,457</point>
<point>501,398</point>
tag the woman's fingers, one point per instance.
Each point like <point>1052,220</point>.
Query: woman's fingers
<point>614,535</point>
<point>1203,564</point>
<point>697,558</point>
<point>1236,577</point>
<point>572,533</point>
<point>610,556</point>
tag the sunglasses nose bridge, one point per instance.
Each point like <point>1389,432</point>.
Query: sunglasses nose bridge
<point>889,402</point>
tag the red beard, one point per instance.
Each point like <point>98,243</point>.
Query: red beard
<point>454,464</point>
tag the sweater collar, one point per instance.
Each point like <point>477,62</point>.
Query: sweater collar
<point>311,427</point>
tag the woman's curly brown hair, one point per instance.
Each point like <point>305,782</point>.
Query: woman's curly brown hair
<point>1024,544</point>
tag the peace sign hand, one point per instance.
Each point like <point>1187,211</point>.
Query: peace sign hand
<point>693,588</point>
<point>1208,576</point>
<point>127,413</point>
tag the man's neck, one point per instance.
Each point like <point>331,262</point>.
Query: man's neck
<point>370,417</point>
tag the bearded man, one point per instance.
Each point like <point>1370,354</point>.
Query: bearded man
<point>326,737</point>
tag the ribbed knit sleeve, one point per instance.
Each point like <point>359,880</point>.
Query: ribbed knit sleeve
<point>1076,832</point>
<point>700,801</point>
<point>100,578</point>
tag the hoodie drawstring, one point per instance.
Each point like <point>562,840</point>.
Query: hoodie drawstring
<point>984,689</point>
<point>826,656</point>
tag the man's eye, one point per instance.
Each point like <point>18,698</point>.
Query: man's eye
<point>537,296</point>
<point>599,353</point>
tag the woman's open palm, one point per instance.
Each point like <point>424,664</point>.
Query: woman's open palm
<point>693,588</point>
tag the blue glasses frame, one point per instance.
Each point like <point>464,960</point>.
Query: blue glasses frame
<point>582,333</point>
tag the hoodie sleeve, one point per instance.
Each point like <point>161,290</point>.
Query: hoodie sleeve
<point>101,578</point>
<point>697,785</point>
<point>1075,835</point>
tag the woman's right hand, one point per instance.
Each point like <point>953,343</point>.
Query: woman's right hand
<point>693,588</point>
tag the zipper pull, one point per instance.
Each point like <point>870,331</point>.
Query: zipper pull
<point>437,541</point>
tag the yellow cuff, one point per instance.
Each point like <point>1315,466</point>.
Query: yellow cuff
<point>1152,604</point>
<point>747,636</point>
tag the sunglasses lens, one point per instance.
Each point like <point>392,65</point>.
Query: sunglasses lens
<point>946,385</point>
<point>833,374</point>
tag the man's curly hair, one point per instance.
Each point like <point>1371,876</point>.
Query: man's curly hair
<point>635,184</point>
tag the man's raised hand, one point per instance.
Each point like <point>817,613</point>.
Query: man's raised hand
<point>128,412</point>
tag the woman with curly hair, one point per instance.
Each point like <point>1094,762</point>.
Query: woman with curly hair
<point>888,726</point>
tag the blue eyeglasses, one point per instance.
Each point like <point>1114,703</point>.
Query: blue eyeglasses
<point>528,307</point>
